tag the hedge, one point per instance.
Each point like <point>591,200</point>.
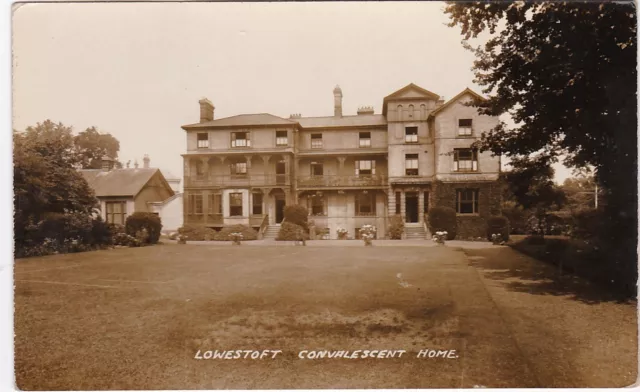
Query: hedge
<point>396,227</point>
<point>443,219</point>
<point>197,233</point>
<point>291,232</point>
<point>139,221</point>
<point>298,215</point>
<point>247,232</point>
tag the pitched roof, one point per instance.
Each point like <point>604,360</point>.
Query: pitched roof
<point>399,94</point>
<point>454,99</point>
<point>243,120</point>
<point>360,120</point>
<point>118,182</point>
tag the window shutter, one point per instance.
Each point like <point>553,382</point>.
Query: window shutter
<point>475,165</point>
<point>455,165</point>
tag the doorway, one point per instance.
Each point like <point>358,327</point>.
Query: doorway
<point>411,207</point>
<point>280,203</point>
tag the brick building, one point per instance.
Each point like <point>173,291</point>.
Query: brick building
<point>349,170</point>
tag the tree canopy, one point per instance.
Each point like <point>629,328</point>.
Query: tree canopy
<point>92,145</point>
<point>566,74</point>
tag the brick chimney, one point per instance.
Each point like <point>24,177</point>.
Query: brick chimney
<point>440,102</point>
<point>206,110</point>
<point>365,110</point>
<point>337,101</point>
<point>107,163</point>
<point>146,161</point>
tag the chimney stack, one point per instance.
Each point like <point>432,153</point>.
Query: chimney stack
<point>365,110</point>
<point>107,163</point>
<point>135,164</point>
<point>206,110</point>
<point>440,102</point>
<point>146,161</point>
<point>337,101</point>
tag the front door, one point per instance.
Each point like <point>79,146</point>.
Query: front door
<point>280,203</point>
<point>411,205</point>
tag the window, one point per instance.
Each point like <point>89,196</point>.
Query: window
<point>464,127</point>
<point>239,169</point>
<point>365,204</point>
<point>317,168</point>
<point>235,204</point>
<point>398,203</point>
<point>282,138</point>
<point>199,169</point>
<point>195,204</point>
<point>116,212</point>
<point>411,164</point>
<point>411,135</point>
<point>365,139</point>
<point>465,159</point>
<point>467,201</point>
<point>365,168</point>
<point>214,205</point>
<point>316,140</point>
<point>203,140</point>
<point>257,204</point>
<point>240,139</point>
<point>315,204</point>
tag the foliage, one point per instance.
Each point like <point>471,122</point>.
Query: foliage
<point>138,221</point>
<point>586,223</point>
<point>443,219</point>
<point>396,227</point>
<point>297,214</point>
<point>580,193</point>
<point>368,233</point>
<point>248,233</point>
<point>197,233</point>
<point>91,145</point>
<point>124,239</point>
<point>439,237</point>
<point>291,232</point>
<point>498,225</point>
<point>517,217</point>
<point>342,233</point>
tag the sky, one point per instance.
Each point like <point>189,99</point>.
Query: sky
<point>137,70</point>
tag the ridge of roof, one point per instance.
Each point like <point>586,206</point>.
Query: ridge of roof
<point>467,90</point>
<point>248,119</point>
<point>119,182</point>
<point>403,89</point>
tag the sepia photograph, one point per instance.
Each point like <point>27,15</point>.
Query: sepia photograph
<point>323,195</point>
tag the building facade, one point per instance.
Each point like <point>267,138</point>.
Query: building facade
<point>349,170</point>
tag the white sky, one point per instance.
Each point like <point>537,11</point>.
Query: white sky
<point>137,70</point>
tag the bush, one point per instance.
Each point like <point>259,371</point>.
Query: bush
<point>247,233</point>
<point>517,217</point>
<point>498,225</point>
<point>443,219</point>
<point>586,223</point>
<point>100,232</point>
<point>298,215</point>
<point>144,220</point>
<point>396,227</point>
<point>124,239</point>
<point>291,232</point>
<point>197,233</point>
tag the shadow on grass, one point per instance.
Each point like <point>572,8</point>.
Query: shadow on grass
<point>525,274</point>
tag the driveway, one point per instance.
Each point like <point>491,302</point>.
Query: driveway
<point>139,318</point>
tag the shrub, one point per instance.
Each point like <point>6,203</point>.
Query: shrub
<point>291,232</point>
<point>247,233</point>
<point>144,220</point>
<point>517,217</point>
<point>297,215</point>
<point>396,227</point>
<point>100,232</point>
<point>197,233</point>
<point>443,219</point>
<point>124,239</point>
<point>586,223</point>
<point>498,225</point>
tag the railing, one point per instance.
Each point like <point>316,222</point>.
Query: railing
<point>241,180</point>
<point>263,226</point>
<point>340,181</point>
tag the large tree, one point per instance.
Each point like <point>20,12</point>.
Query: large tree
<point>92,145</point>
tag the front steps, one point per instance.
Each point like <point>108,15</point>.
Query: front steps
<point>416,232</point>
<point>272,232</point>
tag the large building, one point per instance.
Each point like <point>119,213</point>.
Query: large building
<point>349,170</point>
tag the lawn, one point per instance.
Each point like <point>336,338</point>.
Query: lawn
<point>136,318</point>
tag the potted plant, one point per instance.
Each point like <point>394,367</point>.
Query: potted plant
<point>440,237</point>
<point>236,238</point>
<point>342,233</point>
<point>368,233</point>
<point>496,239</point>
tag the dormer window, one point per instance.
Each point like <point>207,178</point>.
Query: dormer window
<point>464,127</point>
<point>240,139</point>
<point>411,135</point>
<point>203,140</point>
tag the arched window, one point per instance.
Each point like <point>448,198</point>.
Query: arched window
<point>411,112</point>
<point>423,112</point>
<point>399,112</point>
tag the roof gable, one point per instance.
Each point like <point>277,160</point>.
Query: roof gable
<point>120,182</point>
<point>466,91</point>
<point>243,120</point>
<point>410,91</point>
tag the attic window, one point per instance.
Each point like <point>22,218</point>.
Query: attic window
<point>203,140</point>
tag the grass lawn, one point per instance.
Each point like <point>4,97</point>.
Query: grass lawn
<point>135,318</point>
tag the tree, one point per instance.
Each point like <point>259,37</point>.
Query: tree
<point>531,186</point>
<point>581,192</point>
<point>45,178</point>
<point>92,145</point>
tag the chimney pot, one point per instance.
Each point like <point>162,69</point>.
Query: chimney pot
<point>146,161</point>
<point>206,110</point>
<point>365,110</point>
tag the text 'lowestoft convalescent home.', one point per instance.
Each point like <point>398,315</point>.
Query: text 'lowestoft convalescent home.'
<point>349,170</point>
